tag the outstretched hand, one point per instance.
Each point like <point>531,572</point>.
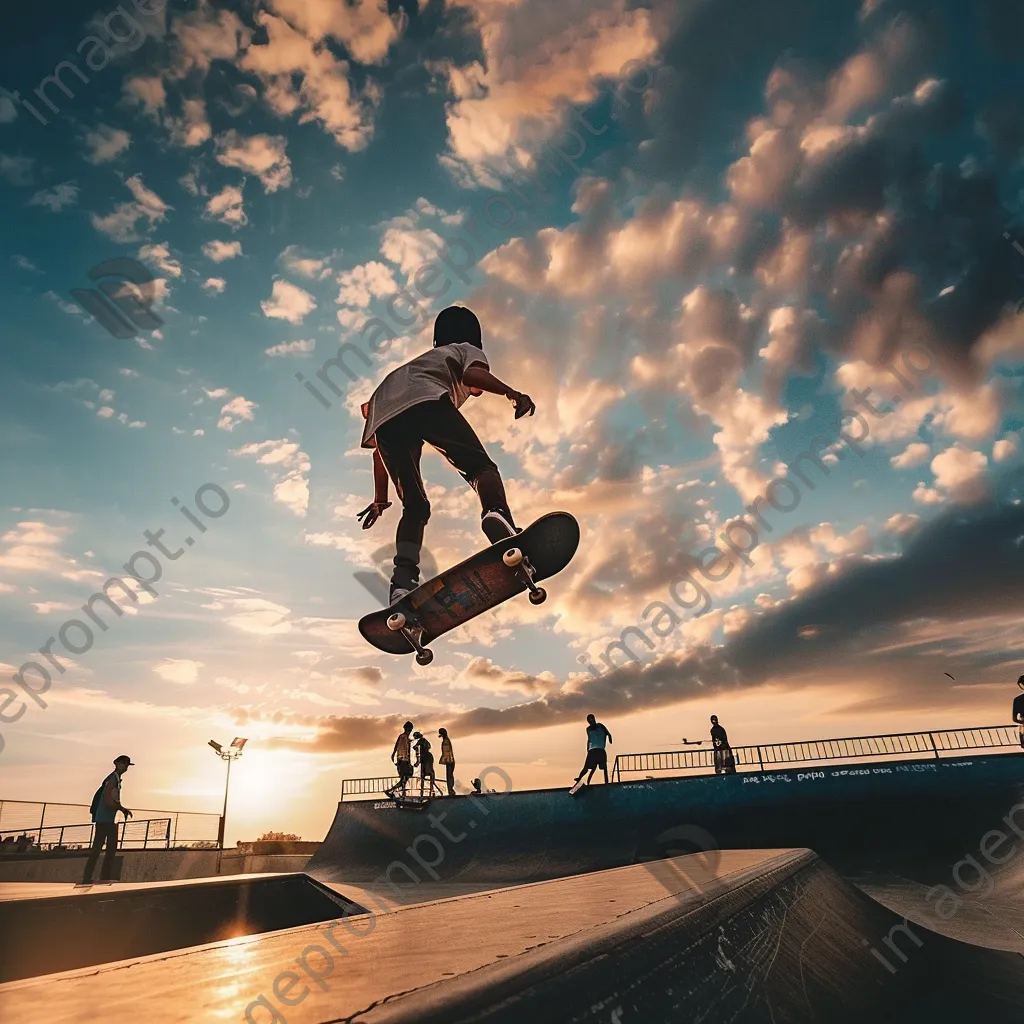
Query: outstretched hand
<point>372,513</point>
<point>523,403</point>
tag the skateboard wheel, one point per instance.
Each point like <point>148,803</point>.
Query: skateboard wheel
<point>512,557</point>
<point>424,657</point>
<point>396,621</point>
<point>539,596</point>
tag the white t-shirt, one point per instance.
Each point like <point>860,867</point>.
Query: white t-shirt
<point>426,378</point>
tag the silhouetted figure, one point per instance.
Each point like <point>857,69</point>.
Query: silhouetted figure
<point>1018,709</point>
<point>401,755</point>
<point>105,805</point>
<point>476,787</point>
<point>448,760</point>
<point>424,761</point>
<point>725,763</point>
<point>597,756</point>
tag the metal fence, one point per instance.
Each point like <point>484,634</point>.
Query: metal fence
<point>369,787</point>
<point>135,834</point>
<point>184,829</point>
<point>901,745</point>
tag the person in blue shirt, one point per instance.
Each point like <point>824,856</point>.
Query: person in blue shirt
<point>597,756</point>
<point>105,805</point>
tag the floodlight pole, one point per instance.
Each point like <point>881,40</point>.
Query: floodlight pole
<point>230,754</point>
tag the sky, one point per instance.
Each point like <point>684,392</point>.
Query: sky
<point>708,239</point>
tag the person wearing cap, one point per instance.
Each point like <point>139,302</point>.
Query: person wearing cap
<point>105,805</point>
<point>448,760</point>
<point>1018,709</point>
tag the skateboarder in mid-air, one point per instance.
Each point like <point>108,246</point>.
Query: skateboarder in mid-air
<point>597,756</point>
<point>419,402</point>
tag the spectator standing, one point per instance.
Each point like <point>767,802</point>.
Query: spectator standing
<point>105,805</point>
<point>725,763</point>
<point>448,760</point>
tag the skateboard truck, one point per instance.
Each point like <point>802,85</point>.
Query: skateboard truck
<point>398,623</point>
<point>515,559</point>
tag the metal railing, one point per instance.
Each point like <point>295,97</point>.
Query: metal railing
<point>187,828</point>
<point>135,834</point>
<point>896,745</point>
<point>368,787</point>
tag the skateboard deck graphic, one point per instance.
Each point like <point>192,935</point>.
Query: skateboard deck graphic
<point>474,586</point>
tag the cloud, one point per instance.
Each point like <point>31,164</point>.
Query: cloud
<point>148,92</point>
<point>262,155</point>
<point>220,251</point>
<point>359,285</point>
<point>291,348</point>
<point>16,169</point>
<point>226,206</point>
<point>961,473</point>
<point>1005,448</point>
<point>913,455</point>
<point>291,468</point>
<point>33,546</point>
<point>104,144</point>
<point>232,413</point>
<point>56,198</point>
<point>214,285</point>
<point>366,30</point>
<point>288,302</point>
<point>192,128</point>
<point>539,61</point>
<point>120,224</point>
<point>178,670</point>
<point>304,266</point>
<point>300,75</point>
<point>160,257</point>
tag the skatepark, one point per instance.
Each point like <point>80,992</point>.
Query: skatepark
<point>877,878</point>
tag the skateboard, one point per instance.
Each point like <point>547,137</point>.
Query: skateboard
<point>577,787</point>
<point>481,582</point>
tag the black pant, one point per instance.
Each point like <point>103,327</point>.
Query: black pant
<point>450,777</point>
<point>400,443</point>
<point>105,833</point>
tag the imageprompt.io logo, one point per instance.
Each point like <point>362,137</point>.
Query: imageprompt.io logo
<point>122,299</point>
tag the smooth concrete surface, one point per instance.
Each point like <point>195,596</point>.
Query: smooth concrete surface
<point>405,948</point>
<point>149,865</point>
<point>98,924</point>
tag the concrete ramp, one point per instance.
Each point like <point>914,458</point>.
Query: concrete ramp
<point>82,926</point>
<point>757,936</point>
<point>860,814</point>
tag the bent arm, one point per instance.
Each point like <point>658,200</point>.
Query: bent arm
<point>476,376</point>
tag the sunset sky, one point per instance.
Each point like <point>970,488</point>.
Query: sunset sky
<point>697,232</point>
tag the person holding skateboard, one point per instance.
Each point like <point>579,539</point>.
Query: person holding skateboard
<point>448,760</point>
<point>597,756</point>
<point>419,403</point>
<point>1018,709</point>
<point>401,755</point>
